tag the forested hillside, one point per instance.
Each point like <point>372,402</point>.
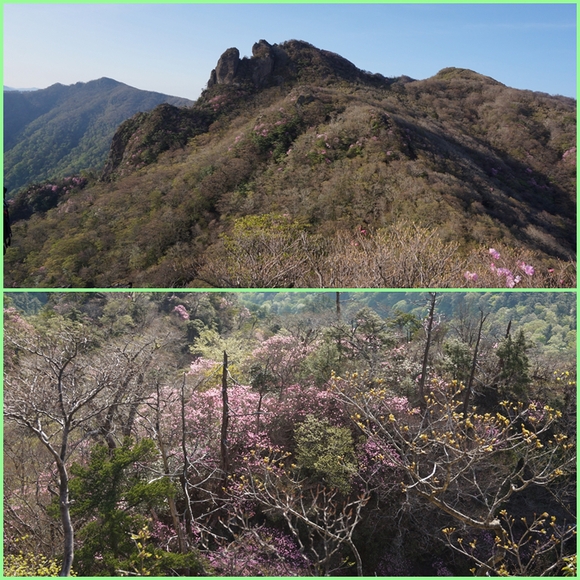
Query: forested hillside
<point>296,169</point>
<point>61,130</point>
<point>283,434</point>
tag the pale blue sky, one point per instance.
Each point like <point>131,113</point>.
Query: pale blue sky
<point>172,48</point>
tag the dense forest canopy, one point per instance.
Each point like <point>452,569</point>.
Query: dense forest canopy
<point>289,433</point>
<point>296,169</point>
<point>62,130</point>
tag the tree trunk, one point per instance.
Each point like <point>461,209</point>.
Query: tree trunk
<point>64,505</point>
<point>170,500</point>
<point>63,496</point>
<point>183,477</point>
<point>259,411</point>
<point>225,423</point>
<point>428,330</point>
<point>469,386</point>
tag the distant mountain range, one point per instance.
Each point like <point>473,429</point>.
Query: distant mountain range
<point>60,130</point>
<point>20,90</point>
<point>296,168</point>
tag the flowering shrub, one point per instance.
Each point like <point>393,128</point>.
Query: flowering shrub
<point>181,311</point>
<point>520,549</point>
<point>31,565</point>
<point>377,464</point>
<point>512,268</point>
<point>279,359</point>
<point>446,454</point>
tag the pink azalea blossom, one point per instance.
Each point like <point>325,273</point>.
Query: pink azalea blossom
<point>526,268</point>
<point>494,253</point>
<point>181,311</point>
<point>511,280</point>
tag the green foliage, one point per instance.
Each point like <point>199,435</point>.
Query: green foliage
<point>210,344</point>
<point>325,359</point>
<point>357,342</point>
<point>514,364</point>
<point>405,321</point>
<point>570,569</point>
<point>276,139</point>
<point>459,359</point>
<point>98,487</point>
<point>27,303</point>
<point>147,560</point>
<point>61,130</point>
<point>111,495</point>
<point>326,452</point>
<point>29,564</point>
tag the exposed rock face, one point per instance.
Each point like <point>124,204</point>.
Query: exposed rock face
<point>272,65</point>
<point>139,140</point>
<point>227,67</point>
<point>260,70</point>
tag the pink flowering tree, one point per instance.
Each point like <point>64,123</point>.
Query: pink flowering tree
<point>284,435</point>
<point>276,363</point>
<point>259,551</point>
<point>279,360</point>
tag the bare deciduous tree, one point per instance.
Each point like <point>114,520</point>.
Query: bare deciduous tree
<point>62,389</point>
<point>328,516</point>
<point>466,466</point>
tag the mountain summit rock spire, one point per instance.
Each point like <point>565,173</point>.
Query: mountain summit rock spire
<point>260,69</point>
<point>278,64</point>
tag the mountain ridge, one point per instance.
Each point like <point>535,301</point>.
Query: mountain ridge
<point>69,125</point>
<point>296,141</point>
<point>20,90</point>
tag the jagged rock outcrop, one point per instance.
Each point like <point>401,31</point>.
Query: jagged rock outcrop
<point>272,65</point>
<point>266,67</point>
<point>141,139</point>
<point>226,69</point>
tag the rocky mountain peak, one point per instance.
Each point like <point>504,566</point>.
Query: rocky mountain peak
<point>264,68</point>
<point>276,64</point>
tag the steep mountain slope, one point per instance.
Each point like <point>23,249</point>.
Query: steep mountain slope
<point>295,168</point>
<point>60,130</point>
